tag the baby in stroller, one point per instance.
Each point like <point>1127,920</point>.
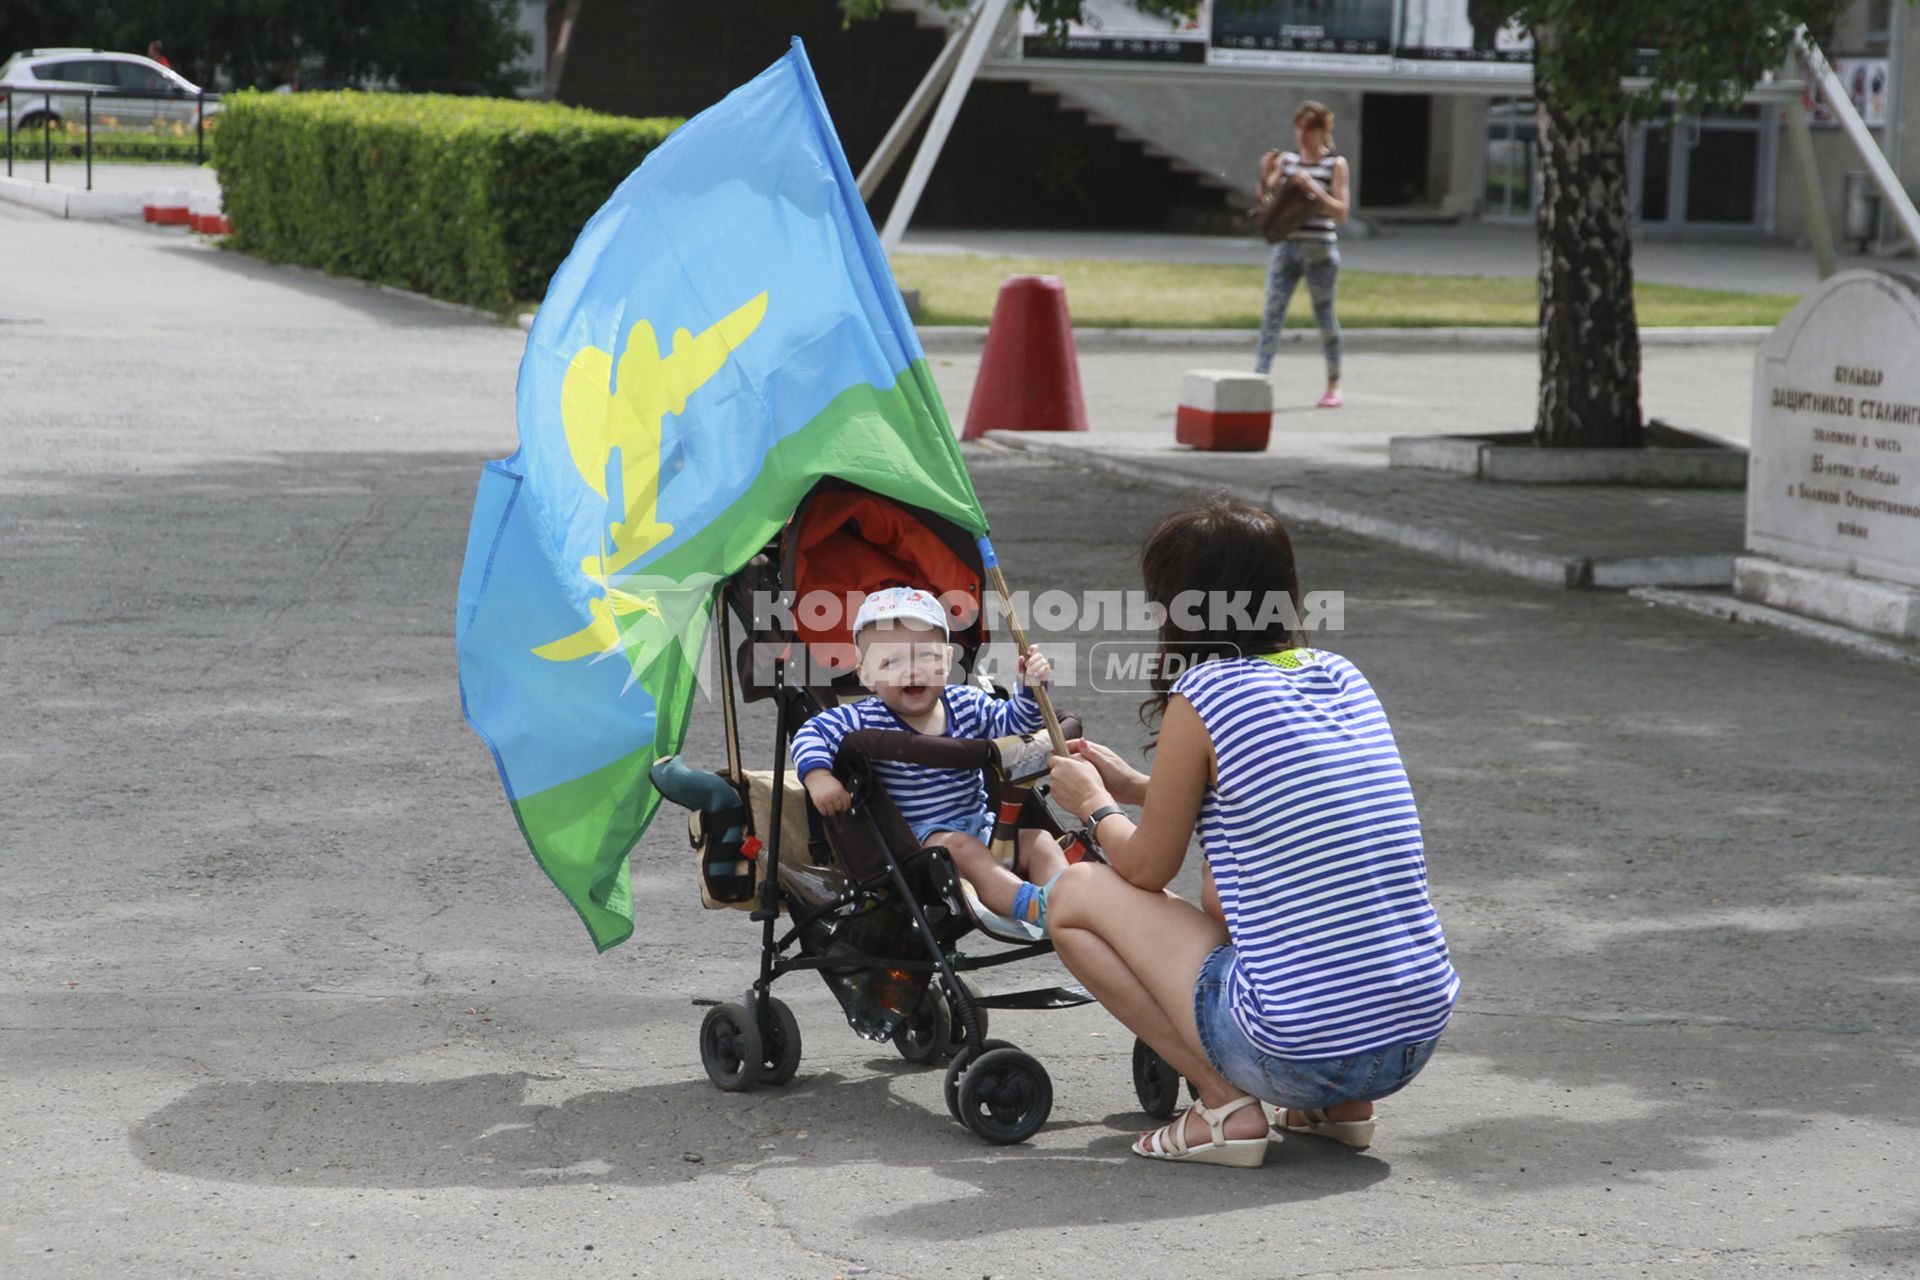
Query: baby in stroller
<point>902,638</point>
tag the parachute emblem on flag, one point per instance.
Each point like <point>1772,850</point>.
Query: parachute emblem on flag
<point>612,413</point>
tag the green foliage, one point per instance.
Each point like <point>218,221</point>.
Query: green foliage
<point>474,200</point>
<point>1701,52</point>
<point>414,44</point>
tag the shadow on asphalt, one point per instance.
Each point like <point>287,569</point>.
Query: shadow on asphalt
<point>393,308</point>
<point>487,1131</point>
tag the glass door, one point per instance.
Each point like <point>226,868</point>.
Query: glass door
<point>1704,172</point>
<point>1512,161</point>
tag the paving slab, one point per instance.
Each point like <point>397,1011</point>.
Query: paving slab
<point>1605,536</point>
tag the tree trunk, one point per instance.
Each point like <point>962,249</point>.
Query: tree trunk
<point>1589,340</point>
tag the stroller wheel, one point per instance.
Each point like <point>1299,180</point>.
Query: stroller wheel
<point>1154,1082</point>
<point>1006,1096</point>
<point>958,1068</point>
<point>927,1034</point>
<point>781,1057</point>
<point>730,1048</point>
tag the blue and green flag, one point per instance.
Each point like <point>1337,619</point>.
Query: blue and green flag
<point>725,333</point>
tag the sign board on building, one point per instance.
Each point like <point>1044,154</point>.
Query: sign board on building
<point>1422,40</point>
<point>1461,37</point>
<point>1117,31</point>
<point>1866,82</point>
<point>1304,33</point>
<point>1834,472</point>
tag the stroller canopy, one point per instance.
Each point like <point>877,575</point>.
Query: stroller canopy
<point>849,542</point>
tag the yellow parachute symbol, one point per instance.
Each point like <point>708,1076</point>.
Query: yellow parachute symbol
<point>646,386</point>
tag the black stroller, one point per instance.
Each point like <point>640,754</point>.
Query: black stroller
<point>877,916</point>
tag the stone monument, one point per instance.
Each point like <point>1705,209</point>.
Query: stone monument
<point>1833,490</point>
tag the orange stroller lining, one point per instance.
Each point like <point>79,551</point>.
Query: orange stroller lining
<point>852,543</point>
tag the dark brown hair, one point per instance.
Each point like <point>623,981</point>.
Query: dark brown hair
<point>1220,547</point>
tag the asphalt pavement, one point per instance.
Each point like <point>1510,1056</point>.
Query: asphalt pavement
<point>282,993</point>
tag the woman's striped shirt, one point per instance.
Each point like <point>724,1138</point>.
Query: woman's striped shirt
<point>921,794</point>
<point>1320,227</point>
<point>1314,842</point>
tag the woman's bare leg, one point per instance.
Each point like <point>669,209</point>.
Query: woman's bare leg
<point>1140,953</point>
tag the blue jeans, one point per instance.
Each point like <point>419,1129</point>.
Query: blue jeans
<point>1320,264</point>
<point>1286,1082</point>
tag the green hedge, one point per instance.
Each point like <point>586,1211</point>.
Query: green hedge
<point>475,200</point>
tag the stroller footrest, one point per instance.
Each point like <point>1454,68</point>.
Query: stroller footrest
<point>1039,998</point>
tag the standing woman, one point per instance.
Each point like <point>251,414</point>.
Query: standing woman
<point>1314,250</point>
<point>1313,974</point>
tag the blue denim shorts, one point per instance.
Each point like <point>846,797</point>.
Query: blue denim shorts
<point>1290,1082</point>
<point>978,825</point>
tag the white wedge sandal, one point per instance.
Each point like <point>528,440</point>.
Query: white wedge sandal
<point>1357,1134</point>
<point>1170,1141</point>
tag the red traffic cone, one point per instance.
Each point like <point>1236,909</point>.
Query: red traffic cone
<point>1029,376</point>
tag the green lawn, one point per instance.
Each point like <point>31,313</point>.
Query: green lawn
<point>958,289</point>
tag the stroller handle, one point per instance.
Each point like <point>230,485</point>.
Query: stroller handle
<point>692,788</point>
<point>919,748</point>
<point>915,748</point>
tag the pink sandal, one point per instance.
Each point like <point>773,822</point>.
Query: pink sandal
<point>1331,400</point>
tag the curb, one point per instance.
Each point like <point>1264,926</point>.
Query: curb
<point>1701,466</point>
<point>1607,574</point>
<point>946,339</point>
<point>1729,609</point>
<point>65,202</point>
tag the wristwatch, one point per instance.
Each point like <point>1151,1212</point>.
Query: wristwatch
<point>1104,811</point>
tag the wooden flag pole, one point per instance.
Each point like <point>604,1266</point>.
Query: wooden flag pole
<point>1040,694</point>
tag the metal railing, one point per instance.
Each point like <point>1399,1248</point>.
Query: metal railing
<point>44,99</point>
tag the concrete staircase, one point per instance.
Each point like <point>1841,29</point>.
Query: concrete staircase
<point>1194,129</point>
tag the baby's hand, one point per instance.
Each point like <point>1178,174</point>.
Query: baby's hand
<point>1034,667</point>
<point>828,795</point>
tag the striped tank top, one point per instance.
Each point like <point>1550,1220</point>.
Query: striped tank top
<point>1314,842</point>
<point>1318,229</point>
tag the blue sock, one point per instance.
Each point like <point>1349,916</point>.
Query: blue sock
<point>1031,901</point>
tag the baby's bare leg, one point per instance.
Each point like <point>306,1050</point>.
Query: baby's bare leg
<point>1041,857</point>
<point>993,882</point>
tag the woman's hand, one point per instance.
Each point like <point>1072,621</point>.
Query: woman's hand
<point>1077,787</point>
<point>1116,775</point>
<point>1268,170</point>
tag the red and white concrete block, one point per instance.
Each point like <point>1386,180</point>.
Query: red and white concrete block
<point>179,207</point>
<point>166,206</point>
<point>1225,411</point>
<point>206,215</point>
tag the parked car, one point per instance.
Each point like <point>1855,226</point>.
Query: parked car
<point>53,82</point>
